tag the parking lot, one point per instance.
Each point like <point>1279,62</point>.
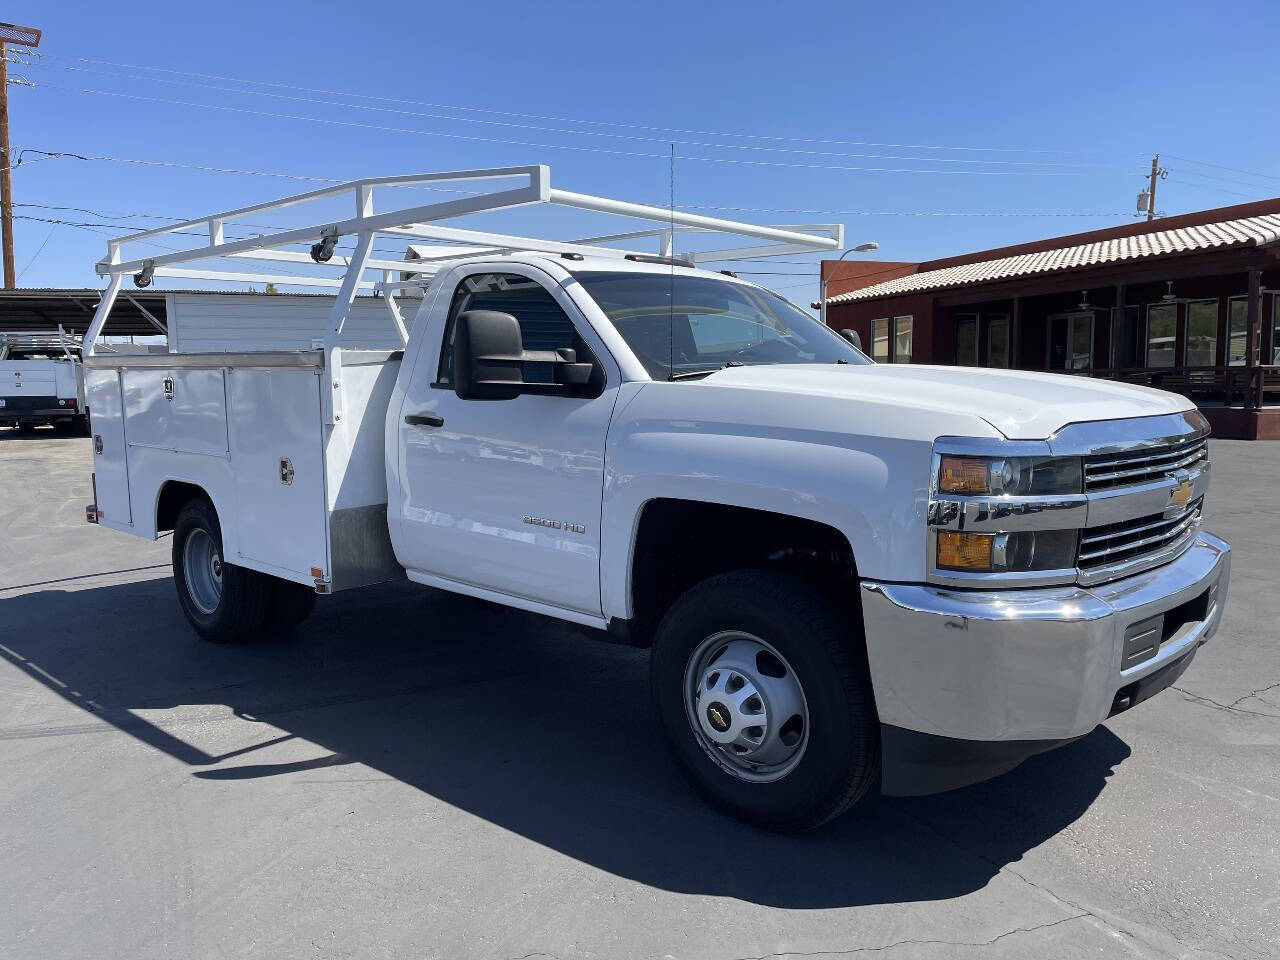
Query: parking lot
<point>415,774</point>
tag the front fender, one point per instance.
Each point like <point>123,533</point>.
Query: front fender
<point>872,489</point>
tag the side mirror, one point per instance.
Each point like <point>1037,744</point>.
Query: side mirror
<point>852,336</point>
<point>487,356</point>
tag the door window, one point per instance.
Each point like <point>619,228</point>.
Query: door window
<point>544,326</point>
<point>998,341</point>
<point>1202,333</point>
<point>967,340</point>
<point>1162,334</point>
<point>1275,328</point>
<point>880,340</point>
<point>902,339</point>
<point>1237,331</point>
<point>1071,341</point>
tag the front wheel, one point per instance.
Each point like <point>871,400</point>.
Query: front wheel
<point>223,602</point>
<point>765,699</point>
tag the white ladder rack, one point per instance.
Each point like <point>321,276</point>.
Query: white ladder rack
<point>250,258</point>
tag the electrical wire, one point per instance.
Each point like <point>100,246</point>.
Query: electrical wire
<point>591,133</point>
<point>36,256</point>
<point>667,131</point>
<point>247,111</point>
<point>55,154</point>
<point>1210,176</point>
<point>1213,187</point>
<point>1218,166</point>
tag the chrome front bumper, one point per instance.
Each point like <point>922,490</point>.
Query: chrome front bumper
<point>1034,665</point>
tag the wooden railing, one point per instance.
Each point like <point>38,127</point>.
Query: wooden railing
<point>1230,385</point>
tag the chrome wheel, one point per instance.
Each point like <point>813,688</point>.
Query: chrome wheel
<point>202,570</point>
<point>746,706</point>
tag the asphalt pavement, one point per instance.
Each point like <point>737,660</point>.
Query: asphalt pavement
<point>413,774</point>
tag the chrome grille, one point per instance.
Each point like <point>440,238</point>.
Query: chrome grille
<point>1142,466</point>
<point>1103,548</point>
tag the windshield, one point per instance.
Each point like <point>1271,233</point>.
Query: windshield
<point>682,325</point>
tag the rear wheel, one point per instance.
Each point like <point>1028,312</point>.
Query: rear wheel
<point>289,604</point>
<point>223,602</point>
<point>765,700</point>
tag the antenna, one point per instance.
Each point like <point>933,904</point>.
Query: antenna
<point>671,244</point>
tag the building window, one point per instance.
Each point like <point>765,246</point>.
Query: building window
<point>1162,334</point>
<point>902,339</point>
<point>880,340</point>
<point>998,341</point>
<point>967,340</point>
<point>1237,331</point>
<point>1071,341</point>
<point>1202,333</point>
<point>1275,328</point>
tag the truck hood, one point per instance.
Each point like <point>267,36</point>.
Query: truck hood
<point>1022,405</point>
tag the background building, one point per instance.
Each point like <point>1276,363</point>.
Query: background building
<point>1184,303</point>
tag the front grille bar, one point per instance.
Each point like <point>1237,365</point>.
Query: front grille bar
<point>1174,528</point>
<point>1132,469</point>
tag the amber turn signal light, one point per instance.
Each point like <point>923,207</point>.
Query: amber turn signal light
<point>964,551</point>
<point>963,475</point>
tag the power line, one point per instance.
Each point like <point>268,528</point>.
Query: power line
<point>36,256</point>
<point>1210,186</point>
<point>548,146</point>
<point>667,131</point>
<point>1209,176</point>
<point>1218,166</point>
<point>590,133</point>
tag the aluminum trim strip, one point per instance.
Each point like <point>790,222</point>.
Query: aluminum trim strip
<point>1098,437</point>
<point>213,361</point>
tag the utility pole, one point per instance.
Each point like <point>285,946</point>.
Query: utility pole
<point>28,37</point>
<point>1147,198</point>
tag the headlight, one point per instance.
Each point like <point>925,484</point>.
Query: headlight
<point>1009,476</point>
<point>1018,552</point>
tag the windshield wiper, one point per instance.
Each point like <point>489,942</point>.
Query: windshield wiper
<point>691,374</point>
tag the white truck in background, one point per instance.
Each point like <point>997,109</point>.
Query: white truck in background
<point>847,573</point>
<point>41,381</point>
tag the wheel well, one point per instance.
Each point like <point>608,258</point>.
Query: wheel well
<point>680,543</point>
<point>173,496</point>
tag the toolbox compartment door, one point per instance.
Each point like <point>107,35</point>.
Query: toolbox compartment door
<point>110,454</point>
<point>278,465</point>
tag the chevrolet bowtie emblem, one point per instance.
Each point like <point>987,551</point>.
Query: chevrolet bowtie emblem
<point>1180,495</point>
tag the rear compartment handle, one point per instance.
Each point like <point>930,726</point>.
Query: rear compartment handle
<point>424,419</point>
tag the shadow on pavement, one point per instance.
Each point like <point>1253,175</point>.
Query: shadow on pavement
<point>515,719</point>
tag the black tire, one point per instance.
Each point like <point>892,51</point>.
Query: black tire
<point>842,756</point>
<point>241,608</point>
<point>289,604</point>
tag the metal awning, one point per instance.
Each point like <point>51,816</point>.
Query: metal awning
<point>1259,231</point>
<point>44,309</point>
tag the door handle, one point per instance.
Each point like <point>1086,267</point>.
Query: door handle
<point>424,419</point>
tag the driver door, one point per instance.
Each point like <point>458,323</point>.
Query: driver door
<point>505,495</point>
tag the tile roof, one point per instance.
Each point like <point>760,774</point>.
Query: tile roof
<point>1248,231</point>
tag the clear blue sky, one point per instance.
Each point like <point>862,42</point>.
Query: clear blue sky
<point>1066,101</point>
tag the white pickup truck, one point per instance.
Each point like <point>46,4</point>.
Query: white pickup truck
<point>41,381</point>
<point>847,572</point>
